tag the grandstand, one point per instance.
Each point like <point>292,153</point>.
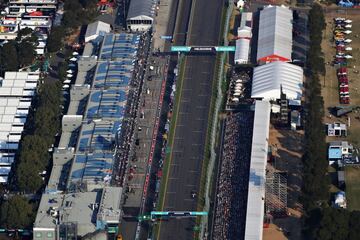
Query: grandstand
<point>230,209</point>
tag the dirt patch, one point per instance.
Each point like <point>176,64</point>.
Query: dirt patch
<point>287,148</point>
<point>352,179</point>
<point>233,24</point>
<point>273,232</point>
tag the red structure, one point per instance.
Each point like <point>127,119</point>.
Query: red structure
<point>273,58</point>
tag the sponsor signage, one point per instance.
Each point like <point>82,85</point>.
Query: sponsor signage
<point>180,49</point>
<point>166,37</point>
<point>202,48</point>
<point>225,48</point>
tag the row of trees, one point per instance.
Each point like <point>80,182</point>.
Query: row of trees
<point>333,224</point>
<point>322,222</point>
<point>33,157</point>
<point>316,181</point>
<point>77,13</point>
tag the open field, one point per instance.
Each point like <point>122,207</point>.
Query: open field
<point>331,98</point>
<point>330,82</point>
<point>352,179</point>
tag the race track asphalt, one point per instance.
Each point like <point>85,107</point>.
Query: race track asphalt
<point>187,152</point>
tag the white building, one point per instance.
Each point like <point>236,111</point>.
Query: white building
<point>16,92</point>
<point>272,78</point>
<point>96,29</point>
<point>275,34</point>
<point>336,129</point>
<point>19,7</point>
<point>244,35</point>
<point>242,50</point>
<point>258,161</point>
<point>141,15</point>
<point>33,14</point>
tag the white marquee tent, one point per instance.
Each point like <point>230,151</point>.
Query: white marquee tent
<point>275,34</point>
<point>269,79</point>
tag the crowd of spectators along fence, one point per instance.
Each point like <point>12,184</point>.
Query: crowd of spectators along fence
<point>231,196</point>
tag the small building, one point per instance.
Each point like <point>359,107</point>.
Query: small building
<point>339,150</point>
<point>340,200</point>
<point>295,120</point>
<point>96,29</point>
<point>336,129</point>
<point>244,35</point>
<point>341,179</point>
<point>140,15</point>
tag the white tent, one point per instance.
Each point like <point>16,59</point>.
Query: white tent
<point>69,75</point>
<point>75,53</point>
<point>257,175</point>
<point>244,32</point>
<point>96,29</point>
<point>242,49</point>
<point>70,71</point>
<point>275,34</point>
<point>269,79</point>
<point>73,59</point>
<point>140,14</point>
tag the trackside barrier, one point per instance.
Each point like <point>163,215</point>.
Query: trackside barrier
<point>219,97</point>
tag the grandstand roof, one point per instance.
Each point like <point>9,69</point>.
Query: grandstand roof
<point>275,34</point>
<point>256,191</point>
<point>104,110</point>
<point>141,9</point>
<point>269,79</point>
<point>100,94</point>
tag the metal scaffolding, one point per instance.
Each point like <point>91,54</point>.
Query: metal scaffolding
<point>276,193</point>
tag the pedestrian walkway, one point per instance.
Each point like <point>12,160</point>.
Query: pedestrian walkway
<point>161,23</point>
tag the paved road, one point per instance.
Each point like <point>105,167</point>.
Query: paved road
<point>191,126</point>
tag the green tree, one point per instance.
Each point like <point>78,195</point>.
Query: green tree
<point>62,70</point>
<point>23,33</point>
<point>71,19</point>
<point>54,42</point>
<point>28,177</point>
<point>9,59</point>
<point>45,123</point>
<point>17,212</point>
<point>89,3</point>
<point>72,5</point>
<point>26,53</point>
<point>354,225</point>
